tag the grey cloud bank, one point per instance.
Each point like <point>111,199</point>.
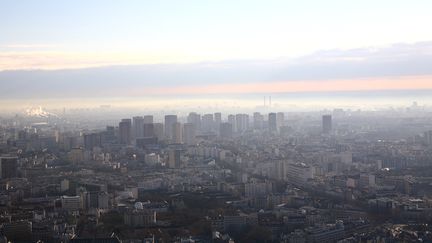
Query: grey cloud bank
<point>391,61</point>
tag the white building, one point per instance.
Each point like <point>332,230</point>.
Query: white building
<point>71,203</point>
<point>299,173</point>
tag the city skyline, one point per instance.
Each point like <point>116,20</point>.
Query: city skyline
<point>223,121</point>
<point>104,49</point>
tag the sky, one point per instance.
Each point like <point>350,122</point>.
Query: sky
<point>142,47</point>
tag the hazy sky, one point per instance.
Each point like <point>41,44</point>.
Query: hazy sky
<point>210,47</point>
<point>79,33</point>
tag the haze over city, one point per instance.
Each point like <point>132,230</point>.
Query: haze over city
<point>198,121</point>
<point>201,52</point>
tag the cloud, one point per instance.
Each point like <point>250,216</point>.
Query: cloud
<point>369,84</point>
<point>29,46</point>
<point>52,60</point>
<point>398,66</point>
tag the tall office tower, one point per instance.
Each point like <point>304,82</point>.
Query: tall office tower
<point>280,119</point>
<point>280,169</point>
<point>207,123</point>
<point>174,158</point>
<point>8,166</point>
<point>428,137</point>
<point>158,129</point>
<point>195,119</point>
<point>138,126</point>
<point>258,120</point>
<point>226,130</point>
<point>177,132</point>
<point>92,140</point>
<point>272,122</point>
<point>246,121</point>
<point>217,121</point>
<point>327,123</point>
<point>148,130</point>
<point>125,130</point>
<point>242,122</point>
<point>110,133</point>
<point>189,134</point>
<point>231,120</point>
<point>95,199</point>
<point>170,120</point>
<point>148,119</point>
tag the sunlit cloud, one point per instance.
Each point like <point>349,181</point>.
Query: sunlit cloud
<point>103,74</point>
<point>74,60</point>
<point>371,84</point>
<point>55,57</point>
<point>29,46</point>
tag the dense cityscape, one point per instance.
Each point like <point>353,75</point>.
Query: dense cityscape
<point>315,176</point>
<point>194,121</point>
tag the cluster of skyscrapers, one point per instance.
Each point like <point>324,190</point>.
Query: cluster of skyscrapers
<point>143,129</point>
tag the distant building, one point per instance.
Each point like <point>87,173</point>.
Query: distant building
<point>427,137</point>
<point>217,120</point>
<point>143,142</point>
<point>299,173</point>
<point>327,123</point>
<point>242,122</point>
<point>207,123</point>
<point>138,127</point>
<point>226,130</point>
<point>148,119</point>
<point>366,180</point>
<point>125,131</point>
<point>174,158</point>
<point>258,120</point>
<point>170,120</point>
<point>272,122</point>
<point>95,200</point>
<point>109,134</point>
<point>224,223</point>
<point>148,130</point>
<point>280,120</point>
<point>64,185</point>
<point>140,218</point>
<point>8,166</point>
<point>19,231</point>
<point>280,169</point>
<point>76,155</point>
<point>92,140</point>
<point>326,233</point>
<point>189,134</point>
<point>381,204</point>
<point>158,129</point>
<point>195,119</point>
<point>298,236</point>
<point>152,159</point>
<point>255,189</point>
<point>231,120</point>
<point>71,203</point>
<point>177,133</point>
